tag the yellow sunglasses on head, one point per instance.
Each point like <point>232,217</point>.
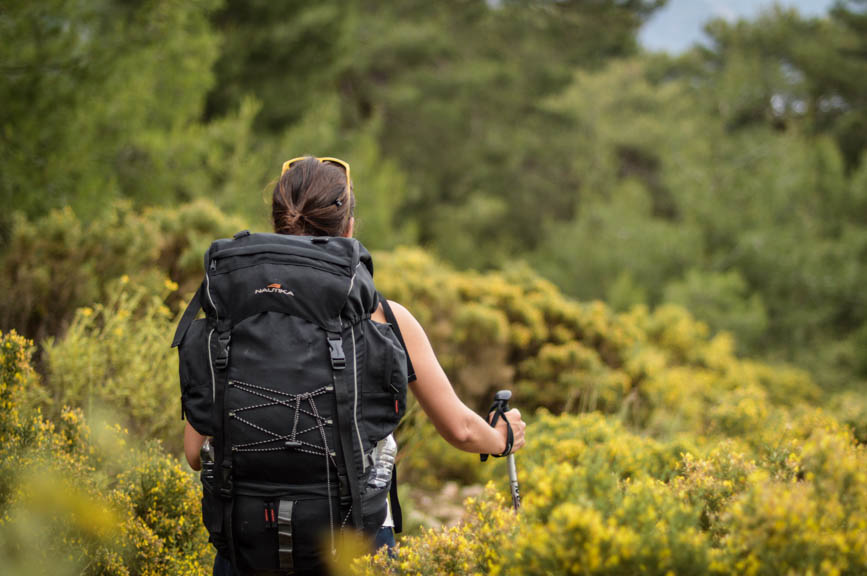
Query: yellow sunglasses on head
<point>343,164</point>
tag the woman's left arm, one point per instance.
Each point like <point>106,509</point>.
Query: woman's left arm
<point>454,420</point>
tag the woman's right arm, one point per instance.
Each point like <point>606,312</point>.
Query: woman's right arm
<point>460,426</point>
<point>193,446</point>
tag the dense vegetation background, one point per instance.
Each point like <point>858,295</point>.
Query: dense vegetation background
<point>716,201</point>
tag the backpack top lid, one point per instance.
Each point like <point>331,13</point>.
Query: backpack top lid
<point>324,279</point>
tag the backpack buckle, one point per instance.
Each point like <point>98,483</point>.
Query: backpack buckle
<point>222,359</point>
<point>338,359</point>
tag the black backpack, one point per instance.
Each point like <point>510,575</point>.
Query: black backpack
<point>296,385</point>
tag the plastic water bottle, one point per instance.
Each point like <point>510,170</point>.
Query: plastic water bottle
<point>383,457</point>
<point>207,456</point>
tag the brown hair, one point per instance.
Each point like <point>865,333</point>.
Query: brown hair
<point>310,200</point>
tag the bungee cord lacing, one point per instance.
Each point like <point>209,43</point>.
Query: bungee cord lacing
<point>290,441</point>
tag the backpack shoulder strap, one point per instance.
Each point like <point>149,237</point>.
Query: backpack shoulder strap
<point>396,512</point>
<point>389,315</point>
<point>394,501</point>
<point>189,315</point>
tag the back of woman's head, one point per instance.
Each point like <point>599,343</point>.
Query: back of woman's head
<point>310,200</point>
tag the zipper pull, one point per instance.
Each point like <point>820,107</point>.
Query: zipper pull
<point>213,265</point>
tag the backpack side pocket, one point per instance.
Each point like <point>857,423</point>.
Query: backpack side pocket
<point>196,375</point>
<point>385,380</point>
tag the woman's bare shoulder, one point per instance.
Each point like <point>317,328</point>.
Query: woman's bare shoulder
<point>406,321</point>
<point>404,317</point>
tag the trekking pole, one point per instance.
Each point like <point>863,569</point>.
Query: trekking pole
<point>499,408</point>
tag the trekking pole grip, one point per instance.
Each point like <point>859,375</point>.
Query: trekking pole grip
<point>499,408</point>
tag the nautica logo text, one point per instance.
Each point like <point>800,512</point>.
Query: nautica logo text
<point>274,289</point>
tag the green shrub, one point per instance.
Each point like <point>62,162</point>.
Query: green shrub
<point>115,358</point>
<point>59,263</point>
<point>852,409</point>
<point>426,459</point>
<point>724,301</point>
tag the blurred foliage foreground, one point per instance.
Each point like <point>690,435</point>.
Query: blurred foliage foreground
<point>651,448</point>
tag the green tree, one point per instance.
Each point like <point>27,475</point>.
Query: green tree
<point>286,54</point>
<point>104,100</point>
<point>704,163</point>
<point>452,88</point>
<point>723,300</point>
<point>803,72</point>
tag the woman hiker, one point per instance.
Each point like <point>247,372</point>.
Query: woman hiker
<point>314,197</point>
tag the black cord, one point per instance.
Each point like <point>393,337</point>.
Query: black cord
<point>497,410</point>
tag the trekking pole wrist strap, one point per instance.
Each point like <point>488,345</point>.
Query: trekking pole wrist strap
<point>498,413</point>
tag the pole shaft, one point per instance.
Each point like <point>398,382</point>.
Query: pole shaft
<point>513,481</point>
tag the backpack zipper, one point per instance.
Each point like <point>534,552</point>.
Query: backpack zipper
<point>355,397</point>
<point>211,366</point>
<point>213,266</point>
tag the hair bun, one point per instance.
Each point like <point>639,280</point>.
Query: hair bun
<point>310,199</point>
<point>290,221</point>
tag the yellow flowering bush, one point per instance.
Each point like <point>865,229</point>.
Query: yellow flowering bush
<point>474,547</point>
<point>705,463</point>
<point>161,504</point>
<point>709,484</point>
<point>77,501</point>
<point>814,521</point>
<point>661,370</point>
<point>599,499</point>
<point>16,374</point>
